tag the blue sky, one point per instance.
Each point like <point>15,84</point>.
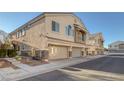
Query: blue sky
<point>110,24</point>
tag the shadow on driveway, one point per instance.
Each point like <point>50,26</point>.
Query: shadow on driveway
<point>107,64</point>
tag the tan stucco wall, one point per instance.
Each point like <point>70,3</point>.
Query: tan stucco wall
<point>63,20</point>
<point>35,35</point>
<point>94,43</point>
<point>91,49</point>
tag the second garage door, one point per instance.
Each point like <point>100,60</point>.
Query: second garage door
<point>76,52</point>
<point>58,52</point>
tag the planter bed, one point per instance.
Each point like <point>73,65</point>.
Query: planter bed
<point>4,64</point>
<point>31,62</point>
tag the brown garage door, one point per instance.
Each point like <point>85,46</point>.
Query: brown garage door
<point>76,52</point>
<point>57,52</point>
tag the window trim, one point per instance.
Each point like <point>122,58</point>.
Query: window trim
<point>69,32</point>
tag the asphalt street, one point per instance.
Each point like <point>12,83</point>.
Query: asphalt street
<point>90,70</point>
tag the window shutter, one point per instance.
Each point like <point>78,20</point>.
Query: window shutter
<point>66,30</point>
<point>53,26</point>
<point>57,24</point>
<point>73,31</point>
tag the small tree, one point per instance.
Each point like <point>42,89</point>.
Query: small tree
<point>105,49</point>
<point>7,45</point>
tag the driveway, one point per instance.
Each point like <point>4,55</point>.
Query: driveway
<point>114,64</point>
<point>105,68</point>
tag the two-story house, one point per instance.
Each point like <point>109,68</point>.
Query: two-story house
<point>56,35</point>
<point>95,44</point>
<point>116,47</point>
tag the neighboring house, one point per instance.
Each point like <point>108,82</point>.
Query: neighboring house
<point>56,35</point>
<point>116,47</point>
<point>0,43</point>
<point>95,44</point>
<point>3,36</point>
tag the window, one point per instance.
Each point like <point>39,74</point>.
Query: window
<point>17,34</point>
<point>20,33</point>
<point>83,37</point>
<point>69,30</point>
<point>55,26</point>
<point>28,26</point>
<point>23,32</point>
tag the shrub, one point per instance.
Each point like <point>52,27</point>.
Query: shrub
<point>18,58</point>
<point>8,52</point>
<point>2,53</point>
<point>11,53</point>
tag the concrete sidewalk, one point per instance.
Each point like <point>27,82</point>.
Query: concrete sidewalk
<point>26,71</point>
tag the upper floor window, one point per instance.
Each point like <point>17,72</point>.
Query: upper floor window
<point>17,34</point>
<point>55,26</point>
<point>23,32</point>
<point>69,30</point>
<point>83,37</point>
<point>20,33</point>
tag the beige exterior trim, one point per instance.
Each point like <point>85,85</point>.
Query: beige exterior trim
<point>64,43</point>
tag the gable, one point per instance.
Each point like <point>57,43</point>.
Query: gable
<point>76,19</point>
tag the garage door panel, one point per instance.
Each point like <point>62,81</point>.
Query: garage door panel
<point>76,52</point>
<point>57,52</point>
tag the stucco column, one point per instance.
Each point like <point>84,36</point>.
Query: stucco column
<point>83,52</point>
<point>45,51</point>
<point>32,52</point>
<point>86,51</point>
<point>18,49</point>
<point>44,55</point>
<point>70,52</point>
